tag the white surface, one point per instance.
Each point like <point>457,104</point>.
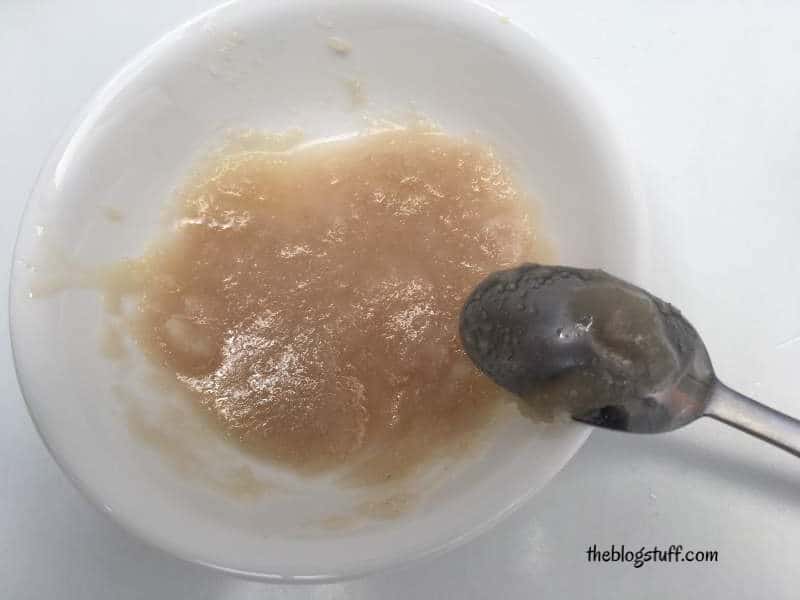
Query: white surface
<point>268,66</point>
<point>704,97</point>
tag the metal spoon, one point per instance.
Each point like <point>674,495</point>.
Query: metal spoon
<point>604,351</point>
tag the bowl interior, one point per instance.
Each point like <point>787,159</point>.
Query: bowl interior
<point>269,66</point>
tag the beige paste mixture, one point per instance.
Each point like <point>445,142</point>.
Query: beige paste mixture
<point>309,299</point>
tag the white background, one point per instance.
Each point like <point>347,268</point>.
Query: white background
<point>705,97</point>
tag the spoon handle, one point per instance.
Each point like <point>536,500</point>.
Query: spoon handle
<point>737,410</point>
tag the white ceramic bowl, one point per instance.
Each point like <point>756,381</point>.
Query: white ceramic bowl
<point>267,65</point>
